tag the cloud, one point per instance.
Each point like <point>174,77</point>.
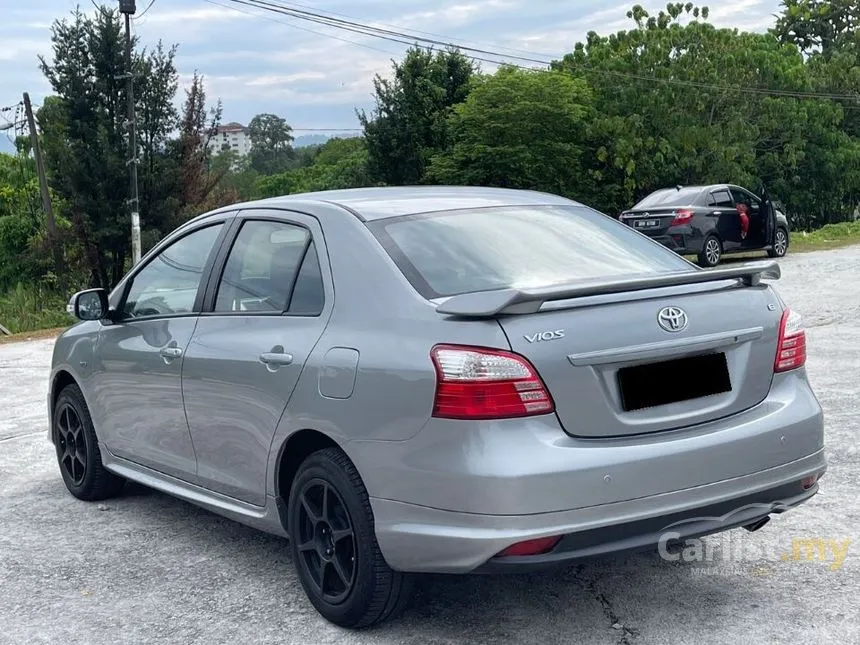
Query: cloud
<point>194,15</point>
<point>13,49</point>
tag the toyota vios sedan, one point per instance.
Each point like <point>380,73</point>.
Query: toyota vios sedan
<point>456,380</point>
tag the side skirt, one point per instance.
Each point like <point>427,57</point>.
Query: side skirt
<point>265,518</point>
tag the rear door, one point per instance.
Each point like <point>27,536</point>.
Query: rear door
<point>266,308</point>
<point>722,212</point>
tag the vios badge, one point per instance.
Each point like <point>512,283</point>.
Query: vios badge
<point>544,335</point>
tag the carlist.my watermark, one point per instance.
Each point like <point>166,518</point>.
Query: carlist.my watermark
<point>734,553</point>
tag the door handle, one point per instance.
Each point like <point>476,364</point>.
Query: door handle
<point>171,352</point>
<point>276,359</point>
<point>717,213</point>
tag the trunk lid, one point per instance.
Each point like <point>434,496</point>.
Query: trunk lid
<point>605,358</point>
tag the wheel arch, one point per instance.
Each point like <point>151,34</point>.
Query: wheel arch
<point>293,451</point>
<point>61,379</point>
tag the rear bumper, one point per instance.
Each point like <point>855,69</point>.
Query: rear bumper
<point>680,241</point>
<point>456,494</point>
<point>421,539</point>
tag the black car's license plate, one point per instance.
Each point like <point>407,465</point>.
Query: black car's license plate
<point>646,223</point>
<point>682,379</point>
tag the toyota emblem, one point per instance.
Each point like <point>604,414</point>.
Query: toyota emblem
<point>672,319</point>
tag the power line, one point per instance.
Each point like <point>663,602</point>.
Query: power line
<point>405,38</point>
<point>143,13</point>
<point>305,29</point>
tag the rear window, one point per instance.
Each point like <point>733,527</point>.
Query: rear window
<point>670,197</point>
<point>453,252</point>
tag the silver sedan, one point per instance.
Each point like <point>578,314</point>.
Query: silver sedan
<point>455,380</point>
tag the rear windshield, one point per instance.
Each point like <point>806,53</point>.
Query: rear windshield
<point>670,197</point>
<point>453,252</point>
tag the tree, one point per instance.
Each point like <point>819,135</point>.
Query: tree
<point>271,143</point>
<point>84,134</point>
<point>199,184</point>
<point>519,129</point>
<point>820,26</point>
<point>409,124</point>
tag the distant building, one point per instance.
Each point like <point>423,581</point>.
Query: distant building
<point>232,136</point>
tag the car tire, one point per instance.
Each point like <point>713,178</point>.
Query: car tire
<point>77,447</point>
<point>780,247</point>
<point>334,548</point>
<point>711,253</point>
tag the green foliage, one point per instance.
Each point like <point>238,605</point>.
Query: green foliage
<point>339,163</point>
<point>271,144</point>
<point>824,26</point>
<point>32,307</point>
<point>519,129</point>
<point>409,123</point>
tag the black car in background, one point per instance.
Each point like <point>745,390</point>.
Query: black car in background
<point>704,221</point>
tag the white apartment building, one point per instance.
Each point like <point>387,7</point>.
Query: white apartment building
<point>232,136</point>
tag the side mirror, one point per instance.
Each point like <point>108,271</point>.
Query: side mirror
<point>91,304</point>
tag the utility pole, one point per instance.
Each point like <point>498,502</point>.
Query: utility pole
<point>43,188</point>
<point>128,8</point>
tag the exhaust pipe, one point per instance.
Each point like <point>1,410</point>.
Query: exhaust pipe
<point>755,526</point>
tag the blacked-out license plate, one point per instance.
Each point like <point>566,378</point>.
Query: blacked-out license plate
<point>682,379</point>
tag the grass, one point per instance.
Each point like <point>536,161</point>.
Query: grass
<point>30,308</point>
<point>828,237</point>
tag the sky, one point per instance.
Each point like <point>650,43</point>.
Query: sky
<point>257,62</point>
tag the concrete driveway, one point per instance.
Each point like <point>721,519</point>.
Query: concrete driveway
<point>146,568</point>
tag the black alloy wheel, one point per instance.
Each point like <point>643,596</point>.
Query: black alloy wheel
<point>71,444</point>
<point>77,447</point>
<point>326,541</point>
<point>334,548</point>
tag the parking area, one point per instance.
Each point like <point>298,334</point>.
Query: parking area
<point>146,568</point>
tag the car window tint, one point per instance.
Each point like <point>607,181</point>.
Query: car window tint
<point>309,294</point>
<point>261,267</point>
<point>670,197</point>
<point>741,197</point>
<point>168,283</point>
<point>453,252</point>
<point>723,199</point>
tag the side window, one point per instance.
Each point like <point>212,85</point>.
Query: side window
<point>168,283</point>
<point>262,267</point>
<point>741,197</point>
<point>712,201</point>
<point>723,199</point>
<point>309,294</point>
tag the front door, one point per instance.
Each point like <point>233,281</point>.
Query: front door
<point>260,323</point>
<point>769,214</point>
<point>138,389</point>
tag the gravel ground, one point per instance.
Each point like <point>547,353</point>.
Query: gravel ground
<point>146,568</point>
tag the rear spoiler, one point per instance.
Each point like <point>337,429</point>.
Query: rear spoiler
<point>486,304</point>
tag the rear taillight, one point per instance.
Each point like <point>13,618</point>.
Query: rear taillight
<point>682,217</point>
<point>476,383</point>
<point>791,349</point>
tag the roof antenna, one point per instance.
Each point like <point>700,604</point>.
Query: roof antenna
<point>678,187</point>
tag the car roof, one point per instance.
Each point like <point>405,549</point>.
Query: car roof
<point>382,202</point>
